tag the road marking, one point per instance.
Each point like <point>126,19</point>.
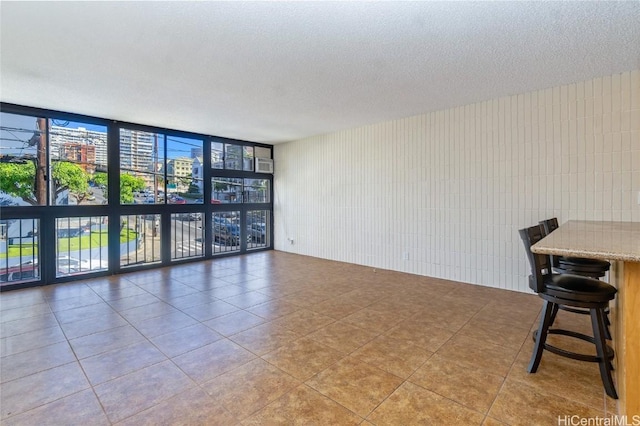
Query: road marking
<point>190,248</point>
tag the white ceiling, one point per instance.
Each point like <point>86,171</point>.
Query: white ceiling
<point>279,71</point>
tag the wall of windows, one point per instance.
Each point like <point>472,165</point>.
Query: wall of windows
<point>46,161</point>
<point>87,196</point>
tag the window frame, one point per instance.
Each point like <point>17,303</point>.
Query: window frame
<point>113,210</point>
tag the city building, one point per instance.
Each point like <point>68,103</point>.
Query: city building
<point>197,173</point>
<point>179,173</point>
<point>138,151</point>
<point>81,154</point>
<point>69,143</point>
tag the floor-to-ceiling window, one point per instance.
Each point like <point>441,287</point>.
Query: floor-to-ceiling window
<point>240,198</point>
<point>86,196</point>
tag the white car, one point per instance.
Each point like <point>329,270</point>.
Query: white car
<point>23,271</point>
<point>72,265</point>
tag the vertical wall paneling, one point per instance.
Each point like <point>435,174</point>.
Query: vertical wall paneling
<point>442,194</point>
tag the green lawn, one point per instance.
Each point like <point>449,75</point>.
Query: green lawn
<point>28,250</point>
<point>95,239</point>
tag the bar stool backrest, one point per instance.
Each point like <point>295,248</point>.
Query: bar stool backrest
<point>540,263</point>
<point>548,226</point>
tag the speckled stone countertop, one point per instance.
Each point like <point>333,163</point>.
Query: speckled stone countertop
<point>593,240</point>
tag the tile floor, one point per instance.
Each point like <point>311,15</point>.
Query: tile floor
<point>275,338</point>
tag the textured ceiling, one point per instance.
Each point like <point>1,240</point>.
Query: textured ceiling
<point>279,71</point>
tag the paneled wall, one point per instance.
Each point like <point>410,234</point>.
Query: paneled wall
<point>443,194</point>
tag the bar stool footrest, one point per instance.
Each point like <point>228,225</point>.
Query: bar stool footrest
<point>583,311</point>
<point>574,355</point>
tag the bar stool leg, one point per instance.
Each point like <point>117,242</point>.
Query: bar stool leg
<point>541,337</point>
<point>607,326</point>
<point>554,312</point>
<point>598,324</point>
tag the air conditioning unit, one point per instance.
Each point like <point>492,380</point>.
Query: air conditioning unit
<point>264,165</point>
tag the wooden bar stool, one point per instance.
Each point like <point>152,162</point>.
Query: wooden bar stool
<point>572,291</point>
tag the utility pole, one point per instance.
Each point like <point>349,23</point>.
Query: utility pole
<point>40,184</point>
<point>155,167</point>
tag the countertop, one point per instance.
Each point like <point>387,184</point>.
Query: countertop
<point>594,240</point>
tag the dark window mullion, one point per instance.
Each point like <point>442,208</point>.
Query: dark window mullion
<point>113,210</point>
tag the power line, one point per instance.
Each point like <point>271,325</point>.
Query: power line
<point>11,140</point>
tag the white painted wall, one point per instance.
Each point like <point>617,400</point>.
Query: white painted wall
<point>450,189</point>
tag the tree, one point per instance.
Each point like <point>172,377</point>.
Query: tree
<point>70,176</point>
<point>183,180</point>
<point>100,179</point>
<point>129,184</point>
<point>19,180</point>
<point>220,186</point>
<point>193,188</point>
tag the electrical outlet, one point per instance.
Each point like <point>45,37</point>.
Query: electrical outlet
<point>405,255</point>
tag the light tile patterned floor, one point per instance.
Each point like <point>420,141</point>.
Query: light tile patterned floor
<point>276,338</point>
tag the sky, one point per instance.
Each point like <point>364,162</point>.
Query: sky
<point>16,130</point>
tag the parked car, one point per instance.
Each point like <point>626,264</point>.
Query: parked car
<point>227,219</point>
<point>23,271</point>
<point>189,216</point>
<point>258,233</point>
<point>223,235</point>
<point>72,265</point>
<point>201,201</point>
<point>177,200</point>
<point>71,232</point>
